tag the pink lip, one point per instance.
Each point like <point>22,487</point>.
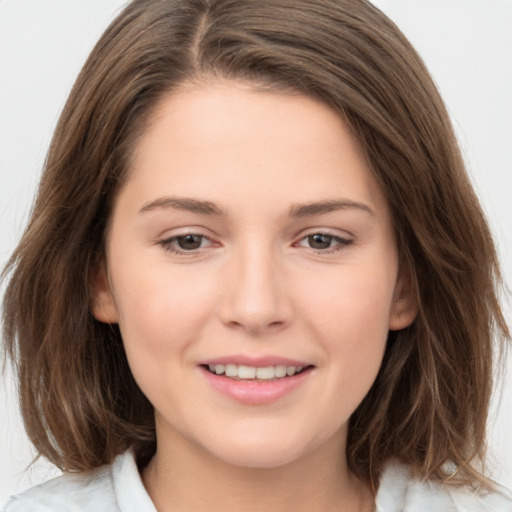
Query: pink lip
<point>255,392</point>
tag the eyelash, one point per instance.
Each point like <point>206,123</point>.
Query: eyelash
<point>341,243</point>
<point>169,244</point>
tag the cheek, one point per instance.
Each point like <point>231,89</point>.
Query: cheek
<point>355,300</point>
<point>161,310</point>
<point>350,315</point>
<point>161,314</point>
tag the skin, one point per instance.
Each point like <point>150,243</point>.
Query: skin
<point>256,283</point>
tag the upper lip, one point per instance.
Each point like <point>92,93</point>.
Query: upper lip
<point>258,362</point>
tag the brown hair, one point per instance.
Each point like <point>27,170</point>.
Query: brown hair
<point>429,403</point>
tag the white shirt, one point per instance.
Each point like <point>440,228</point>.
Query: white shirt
<point>119,488</point>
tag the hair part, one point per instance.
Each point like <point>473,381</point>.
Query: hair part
<point>428,405</point>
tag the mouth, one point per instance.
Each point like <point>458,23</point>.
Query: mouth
<point>255,373</point>
<point>256,381</point>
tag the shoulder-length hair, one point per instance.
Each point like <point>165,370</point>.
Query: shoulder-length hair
<point>428,405</point>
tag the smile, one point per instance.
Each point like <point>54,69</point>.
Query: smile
<point>258,383</point>
<point>244,372</point>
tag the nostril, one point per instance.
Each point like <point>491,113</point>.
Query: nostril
<point>255,307</point>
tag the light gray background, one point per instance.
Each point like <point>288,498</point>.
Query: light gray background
<point>467,45</point>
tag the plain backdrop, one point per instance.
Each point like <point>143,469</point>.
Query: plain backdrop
<point>467,45</point>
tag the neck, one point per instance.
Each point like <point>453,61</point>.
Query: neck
<point>183,477</point>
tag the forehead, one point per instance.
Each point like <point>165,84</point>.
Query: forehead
<point>205,139</point>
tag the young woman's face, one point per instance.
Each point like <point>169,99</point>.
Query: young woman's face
<point>253,272</point>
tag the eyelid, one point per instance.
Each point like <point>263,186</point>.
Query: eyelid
<point>166,242</point>
<point>343,240</point>
<point>335,233</point>
<point>183,230</point>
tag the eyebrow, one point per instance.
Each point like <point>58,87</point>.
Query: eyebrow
<point>297,210</point>
<point>318,208</point>
<point>184,203</point>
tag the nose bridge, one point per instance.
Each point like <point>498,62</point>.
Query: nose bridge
<point>255,296</point>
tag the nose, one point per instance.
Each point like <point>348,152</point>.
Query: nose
<point>256,298</point>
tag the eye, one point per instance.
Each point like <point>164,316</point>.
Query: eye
<point>320,241</point>
<point>324,242</point>
<point>187,243</point>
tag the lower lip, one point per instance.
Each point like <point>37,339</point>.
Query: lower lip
<point>255,392</point>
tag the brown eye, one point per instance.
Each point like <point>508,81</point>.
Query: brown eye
<point>320,241</point>
<point>189,242</point>
<point>324,243</point>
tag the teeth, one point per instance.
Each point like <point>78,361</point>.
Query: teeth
<point>231,370</point>
<point>280,371</point>
<point>252,372</point>
<point>290,370</point>
<point>246,372</point>
<point>265,373</point>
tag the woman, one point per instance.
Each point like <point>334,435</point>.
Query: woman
<point>248,279</point>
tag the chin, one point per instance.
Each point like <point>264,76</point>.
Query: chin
<point>259,458</point>
<point>262,452</point>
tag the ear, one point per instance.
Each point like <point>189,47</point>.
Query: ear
<point>102,302</point>
<point>405,301</point>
